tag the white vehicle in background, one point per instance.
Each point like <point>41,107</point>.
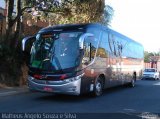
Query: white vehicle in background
<point>150,73</point>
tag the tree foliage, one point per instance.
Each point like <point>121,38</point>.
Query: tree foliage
<point>55,12</point>
<point>71,11</point>
<point>147,55</point>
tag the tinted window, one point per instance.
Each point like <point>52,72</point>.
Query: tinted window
<point>90,46</point>
<point>104,46</point>
<point>55,51</point>
<point>150,70</point>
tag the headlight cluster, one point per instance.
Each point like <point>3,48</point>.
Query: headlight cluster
<point>30,78</point>
<point>74,78</point>
<point>152,75</point>
<point>65,80</point>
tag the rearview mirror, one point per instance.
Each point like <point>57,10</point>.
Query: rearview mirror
<point>82,38</point>
<point>25,40</point>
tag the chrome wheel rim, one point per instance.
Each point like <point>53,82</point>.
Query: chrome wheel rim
<point>98,88</point>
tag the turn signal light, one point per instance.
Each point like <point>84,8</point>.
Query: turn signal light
<point>36,76</point>
<point>63,76</point>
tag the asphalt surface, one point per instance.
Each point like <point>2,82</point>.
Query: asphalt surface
<point>143,99</point>
<point>7,91</point>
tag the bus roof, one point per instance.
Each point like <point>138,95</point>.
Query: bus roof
<point>69,26</point>
<point>85,26</point>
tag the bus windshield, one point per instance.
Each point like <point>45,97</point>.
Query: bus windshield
<point>56,51</point>
<point>150,70</point>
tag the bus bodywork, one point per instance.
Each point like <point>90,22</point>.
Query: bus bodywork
<point>82,58</point>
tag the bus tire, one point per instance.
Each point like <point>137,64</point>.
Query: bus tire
<point>132,83</point>
<point>98,87</point>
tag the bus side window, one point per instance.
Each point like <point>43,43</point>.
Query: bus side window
<point>89,50</point>
<point>103,47</point>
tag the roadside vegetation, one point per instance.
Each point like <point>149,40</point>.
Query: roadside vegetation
<point>148,55</point>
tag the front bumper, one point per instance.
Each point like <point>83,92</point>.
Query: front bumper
<point>62,87</point>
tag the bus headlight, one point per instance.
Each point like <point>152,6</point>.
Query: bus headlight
<point>30,78</point>
<point>74,78</point>
<point>152,75</point>
<point>69,80</point>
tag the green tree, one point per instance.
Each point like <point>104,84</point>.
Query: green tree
<point>11,20</point>
<point>15,19</point>
<point>107,15</point>
<point>55,12</point>
<point>71,11</point>
<point>147,55</point>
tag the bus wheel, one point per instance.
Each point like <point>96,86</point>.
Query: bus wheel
<point>132,83</point>
<point>98,88</point>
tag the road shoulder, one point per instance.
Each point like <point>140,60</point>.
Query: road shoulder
<point>6,91</point>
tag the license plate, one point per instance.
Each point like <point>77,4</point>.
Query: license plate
<point>48,89</point>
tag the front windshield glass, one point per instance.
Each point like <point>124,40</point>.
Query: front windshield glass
<point>149,70</point>
<point>55,51</point>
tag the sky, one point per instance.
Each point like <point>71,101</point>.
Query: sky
<point>2,3</point>
<point>139,20</point>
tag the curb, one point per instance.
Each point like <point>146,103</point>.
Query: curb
<point>7,91</point>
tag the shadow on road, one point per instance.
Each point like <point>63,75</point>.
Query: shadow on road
<point>109,92</point>
<point>80,98</point>
<point>63,98</point>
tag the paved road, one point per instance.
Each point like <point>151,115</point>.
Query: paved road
<point>144,98</point>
